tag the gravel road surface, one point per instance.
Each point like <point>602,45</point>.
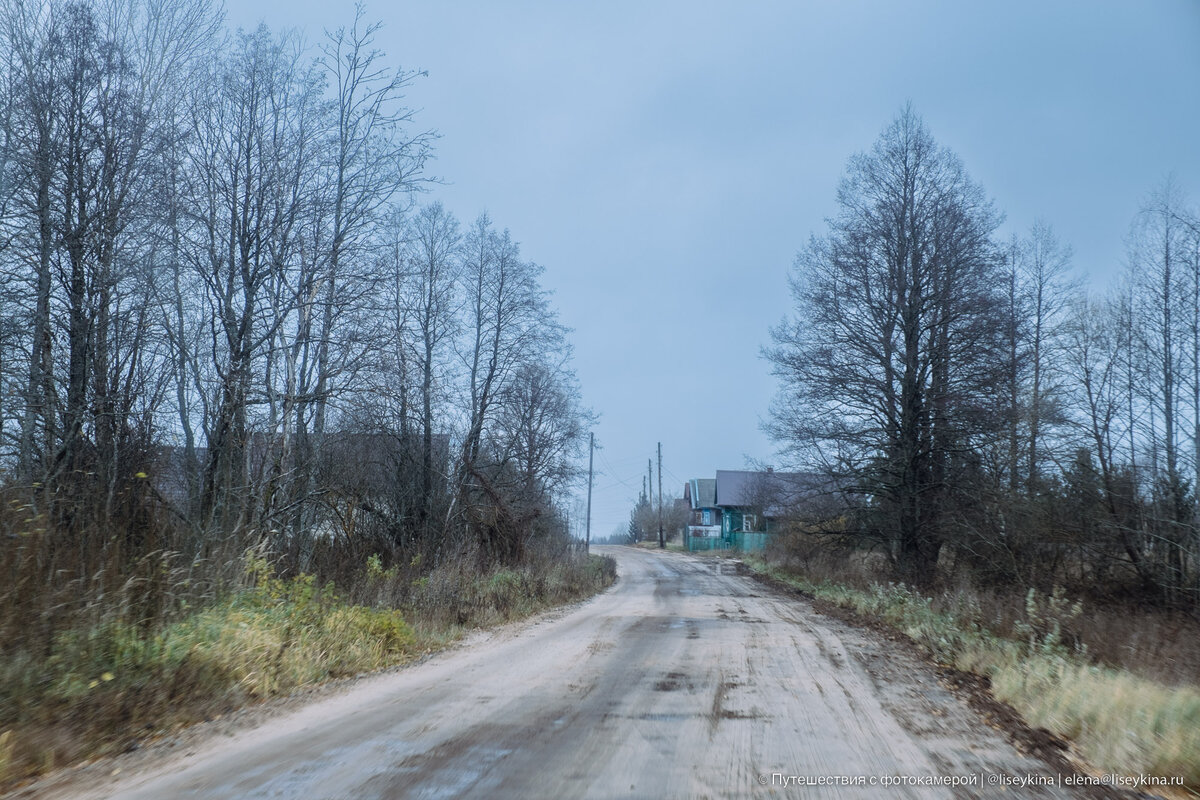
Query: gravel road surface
<point>684,680</point>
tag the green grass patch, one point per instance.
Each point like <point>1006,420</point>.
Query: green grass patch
<point>1119,722</point>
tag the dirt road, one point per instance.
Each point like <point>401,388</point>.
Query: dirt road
<point>683,680</point>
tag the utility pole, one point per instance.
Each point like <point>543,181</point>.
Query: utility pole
<point>587,542</point>
<point>650,483</point>
<point>661,542</point>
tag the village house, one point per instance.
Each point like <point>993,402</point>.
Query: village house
<point>739,509</point>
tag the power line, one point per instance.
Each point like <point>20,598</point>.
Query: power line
<point>613,473</point>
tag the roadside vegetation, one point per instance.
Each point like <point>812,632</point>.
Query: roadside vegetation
<point>1119,685</point>
<point>112,680</point>
<point>265,419</point>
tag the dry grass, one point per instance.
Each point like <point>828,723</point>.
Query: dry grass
<point>508,593</point>
<point>101,688</point>
<point>1162,645</point>
<point>109,680</point>
<point>1119,721</point>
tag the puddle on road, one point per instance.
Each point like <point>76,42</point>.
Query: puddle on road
<point>673,681</point>
<point>445,772</point>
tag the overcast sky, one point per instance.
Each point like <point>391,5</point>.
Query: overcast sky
<point>665,161</point>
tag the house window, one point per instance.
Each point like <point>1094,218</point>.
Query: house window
<point>706,514</point>
<point>748,521</point>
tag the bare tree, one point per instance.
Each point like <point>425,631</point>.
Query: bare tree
<point>507,324</point>
<point>252,130</point>
<point>432,306</point>
<point>536,445</point>
<point>375,160</point>
<point>92,79</point>
<point>1092,362</point>
<point>1046,263</point>
<point>32,37</point>
<point>1159,269</point>
<point>362,160</point>
<point>1015,355</point>
<point>890,364</point>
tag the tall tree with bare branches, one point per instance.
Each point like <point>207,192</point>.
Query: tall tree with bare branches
<point>890,364</point>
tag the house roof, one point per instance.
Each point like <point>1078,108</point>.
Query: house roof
<point>773,492</point>
<point>733,487</point>
<point>701,492</point>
